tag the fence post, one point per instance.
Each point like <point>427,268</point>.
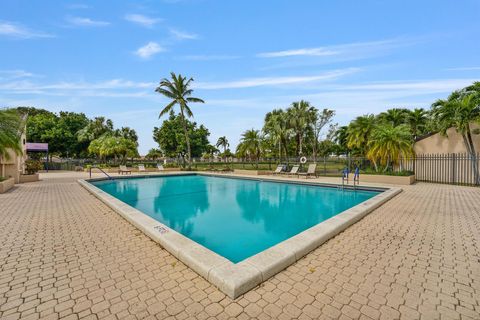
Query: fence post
<point>453,169</point>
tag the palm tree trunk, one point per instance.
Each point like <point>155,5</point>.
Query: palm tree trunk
<point>285,148</point>
<point>187,139</point>
<point>375,165</point>
<point>300,145</point>
<point>279,151</point>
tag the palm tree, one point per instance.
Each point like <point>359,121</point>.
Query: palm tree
<point>417,120</point>
<point>395,116</point>
<point>250,145</point>
<point>11,128</point>
<point>154,154</point>
<point>300,115</point>
<point>340,137</point>
<point>95,128</point>
<point>178,90</point>
<point>473,89</point>
<point>359,130</point>
<point>388,143</point>
<point>459,111</point>
<point>223,142</point>
<point>278,128</point>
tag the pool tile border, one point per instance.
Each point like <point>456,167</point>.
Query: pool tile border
<point>236,279</point>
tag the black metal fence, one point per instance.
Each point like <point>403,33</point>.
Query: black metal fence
<point>451,168</point>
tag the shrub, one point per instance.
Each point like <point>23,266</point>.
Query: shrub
<point>33,166</point>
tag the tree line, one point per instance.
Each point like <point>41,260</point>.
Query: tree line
<point>299,130</point>
<point>74,135</point>
<point>383,138</point>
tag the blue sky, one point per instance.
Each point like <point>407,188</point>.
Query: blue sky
<point>247,57</point>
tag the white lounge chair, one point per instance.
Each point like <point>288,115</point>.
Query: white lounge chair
<point>278,170</point>
<point>123,169</point>
<point>293,171</point>
<point>311,171</point>
<point>160,167</point>
<point>141,168</point>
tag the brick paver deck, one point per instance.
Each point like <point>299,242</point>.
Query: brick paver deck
<point>64,254</point>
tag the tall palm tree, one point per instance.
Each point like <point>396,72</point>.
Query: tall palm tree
<point>178,90</point>
<point>250,144</point>
<point>417,119</point>
<point>11,128</point>
<point>459,111</point>
<point>388,143</point>
<point>277,126</point>
<point>223,142</point>
<point>359,130</point>
<point>301,115</point>
<point>395,116</point>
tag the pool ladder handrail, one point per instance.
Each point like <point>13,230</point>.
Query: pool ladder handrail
<point>95,167</point>
<point>356,181</point>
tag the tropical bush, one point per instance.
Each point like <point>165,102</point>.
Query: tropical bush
<point>113,146</point>
<point>33,166</point>
<point>387,144</point>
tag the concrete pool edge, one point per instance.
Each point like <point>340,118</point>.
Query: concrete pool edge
<point>236,279</point>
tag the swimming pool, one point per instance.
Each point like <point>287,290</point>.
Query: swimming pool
<point>236,232</point>
<point>235,218</point>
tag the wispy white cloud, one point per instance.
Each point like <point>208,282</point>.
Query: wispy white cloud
<point>336,53</point>
<point>114,88</point>
<point>142,20</point>
<point>275,81</point>
<point>208,57</point>
<point>15,74</point>
<point>343,49</point>
<point>300,52</point>
<point>149,50</point>
<point>15,30</point>
<point>182,35</point>
<point>64,85</point>
<point>86,22</point>
<point>463,69</point>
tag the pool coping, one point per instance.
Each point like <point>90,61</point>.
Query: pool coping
<point>236,279</point>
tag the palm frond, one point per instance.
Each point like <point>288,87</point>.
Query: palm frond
<point>193,99</point>
<point>167,108</point>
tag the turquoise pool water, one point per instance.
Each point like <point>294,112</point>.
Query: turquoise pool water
<point>236,218</point>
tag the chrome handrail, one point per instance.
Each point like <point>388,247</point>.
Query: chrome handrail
<point>108,176</point>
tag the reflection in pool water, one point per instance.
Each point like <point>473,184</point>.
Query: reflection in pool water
<point>235,218</point>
